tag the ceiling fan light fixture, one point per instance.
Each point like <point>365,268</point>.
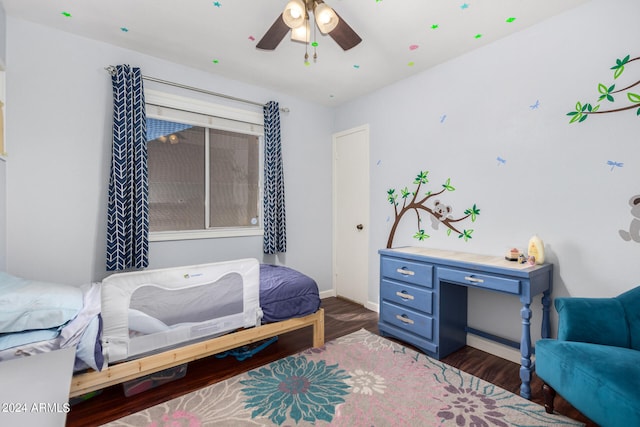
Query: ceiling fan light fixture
<point>298,13</point>
<point>326,18</point>
<point>294,13</point>
<point>302,33</point>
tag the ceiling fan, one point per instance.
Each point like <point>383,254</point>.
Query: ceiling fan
<point>296,18</point>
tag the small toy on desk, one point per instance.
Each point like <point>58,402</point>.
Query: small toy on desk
<point>522,259</point>
<point>536,249</point>
<point>512,255</point>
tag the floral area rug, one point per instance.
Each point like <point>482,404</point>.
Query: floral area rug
<point>358,380</point>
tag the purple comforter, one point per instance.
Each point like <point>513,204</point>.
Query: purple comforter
<point>286,293</point>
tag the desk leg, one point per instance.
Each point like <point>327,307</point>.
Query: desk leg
<point>525,351</point>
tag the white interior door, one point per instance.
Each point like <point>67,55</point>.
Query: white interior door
<point>351,214</point>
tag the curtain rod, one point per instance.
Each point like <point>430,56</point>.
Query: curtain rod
<point>111,70</point>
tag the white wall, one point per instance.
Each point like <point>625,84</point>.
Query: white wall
<point>3,214</point>
<point>555,183</point>
<point>3,165</point>
<point>58,128</point>
<point>3,35</point>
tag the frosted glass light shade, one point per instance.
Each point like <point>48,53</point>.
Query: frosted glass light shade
<point>302,33</point>
<point>294,13</point>
<point>326,18</point>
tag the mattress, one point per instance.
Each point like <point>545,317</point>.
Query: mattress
<point>286,293</point>
<point>147,311</point>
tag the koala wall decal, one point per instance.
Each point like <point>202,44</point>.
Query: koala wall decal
<point>416,201</point>
<point>440,213</point>
<point>633,233</point>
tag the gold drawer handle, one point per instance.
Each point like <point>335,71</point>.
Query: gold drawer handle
<point>405,295</point>
<point>404,319</point>
<point>406,272</point>
<point>473,279</point>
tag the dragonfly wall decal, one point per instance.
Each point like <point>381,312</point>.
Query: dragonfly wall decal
<point>614,164</point>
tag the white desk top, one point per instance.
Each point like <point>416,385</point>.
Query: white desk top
<point>495,261</point>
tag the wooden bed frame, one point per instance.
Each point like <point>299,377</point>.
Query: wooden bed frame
<point>125,371</point>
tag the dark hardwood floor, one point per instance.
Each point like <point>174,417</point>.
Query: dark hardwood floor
<point>341,318</point>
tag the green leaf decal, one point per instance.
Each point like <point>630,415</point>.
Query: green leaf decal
<point>619,67</point>
<point>607,92</point>
<point>421,178</point>
<point>420,235</point>
<point>473,212</point>
<point>447,185</point>
<point>618,72</point>
<point>576,118</point>
<point>633,97</point>
<point>466,235</point>
<point>392,196</point>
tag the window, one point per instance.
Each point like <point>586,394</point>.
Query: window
<point>205,174</point>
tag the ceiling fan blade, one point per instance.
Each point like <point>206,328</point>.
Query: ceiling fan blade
<point>344,35</point>
<point>274,35</point>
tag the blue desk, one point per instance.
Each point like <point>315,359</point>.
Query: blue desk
<point>423,298</point>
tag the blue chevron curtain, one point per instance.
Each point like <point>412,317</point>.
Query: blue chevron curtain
<point>128,209</point>
<point>275,224</point>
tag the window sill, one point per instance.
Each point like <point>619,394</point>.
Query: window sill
<point>162,236</point>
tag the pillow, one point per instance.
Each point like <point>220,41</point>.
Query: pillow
<point>28,337</point>
<point>592,320</point>
<point>142,322</point>
<point>27,304</point>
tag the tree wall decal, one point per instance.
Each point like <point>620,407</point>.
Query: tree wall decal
<point>439,213</point>
<point>607,92</point>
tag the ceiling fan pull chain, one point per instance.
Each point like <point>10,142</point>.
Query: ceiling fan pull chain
<point>315,44</point>
<point>306,45</point>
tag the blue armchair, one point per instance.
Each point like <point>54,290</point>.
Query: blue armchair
<point>595,362</point>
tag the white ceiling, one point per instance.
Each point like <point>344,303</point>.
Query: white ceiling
<point>400,37</point>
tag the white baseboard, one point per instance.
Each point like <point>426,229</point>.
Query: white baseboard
<point>506,352</point>
<point>368,305</point>
<point>327,294</point>
<point>372,306</point>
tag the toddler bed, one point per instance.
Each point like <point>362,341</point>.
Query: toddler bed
<point>149,321</point>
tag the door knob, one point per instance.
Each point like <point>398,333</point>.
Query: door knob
<point>359,226</point>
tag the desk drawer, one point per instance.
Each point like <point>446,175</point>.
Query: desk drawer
<point>407,295</point>
<point>484,281</point>
<point>407,319</point>
<point>407,271</point>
